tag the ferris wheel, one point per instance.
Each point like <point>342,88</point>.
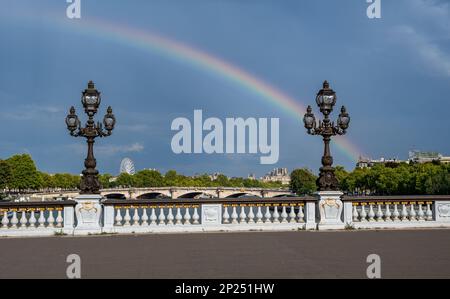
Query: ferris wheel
<point>127,166</point>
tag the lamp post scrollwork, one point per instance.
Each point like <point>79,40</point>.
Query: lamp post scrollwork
<point>326,99</point>
<point>91,99</point>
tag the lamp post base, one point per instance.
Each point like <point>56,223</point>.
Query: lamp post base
<point>330,208</point>
<point>88,212</point>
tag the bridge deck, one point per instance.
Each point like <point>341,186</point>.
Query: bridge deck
<point>404,254</point>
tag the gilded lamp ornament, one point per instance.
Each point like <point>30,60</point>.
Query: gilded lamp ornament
<point>90,99</point>
<point>326,100</point>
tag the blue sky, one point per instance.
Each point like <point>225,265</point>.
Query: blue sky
<point>393,75</point>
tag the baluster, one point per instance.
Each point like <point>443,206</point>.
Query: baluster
<point>380,213</point>
<point>388,213</point>
<point>292,216</point>
<point>284,215</point>
<point>226,216</point>
<point>301,214</point>
<point>259,215</point>
<point>396,213</point>
<point>23,220</point>
<point>127,217</point>
<point>371,213</point>
<point>187,216</point>
<point>178,217</point>
<point>170,217</point>
<point>136,217</point>
<point>276,215</point>
<point>162,217</point>
<point>41,218</point>
<point>5,220</point>
<point>429,213</point>
<point>59,219</point>
<point>267,216</point>
<point>196,217</point>
<point>153,217</point>
<point>14,220</point>
<point>404,213</point>
<point>234,216</point>
<point>32,220</point>
<point>355,214</point>
<point>412,213</point>
<point>118,217</point>
<point>144,217</point>
<point>363,214</point>
<point>251,215</point>
<point>421,214</point>
<point>50,218</point>
<point>242,215</point>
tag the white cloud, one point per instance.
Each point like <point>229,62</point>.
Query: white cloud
<point>434,11</point>
<point>109,150</point>
<point>31,112</point>
<point>431,55</point>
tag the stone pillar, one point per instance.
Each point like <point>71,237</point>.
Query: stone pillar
<point>173,192</point>
<point>310,213</point>
<point>108,219</point>
<point>69,220</point>
<point>211,214</point>
<point>88,212</point>
<point>441,211</point>
<point>330,207</point>
<point>348,213</point>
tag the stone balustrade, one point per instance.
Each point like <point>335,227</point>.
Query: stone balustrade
<point>191,215</point>
<point>397,211</point>
<point>36,219</point>
<point>95,215</point>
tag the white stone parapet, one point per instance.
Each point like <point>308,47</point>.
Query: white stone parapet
<point>90,214</point>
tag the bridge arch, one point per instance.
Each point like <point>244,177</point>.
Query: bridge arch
<point>242,194</point>
<point>284,195</point>
<point>115,196</point>
<point>197,194</point>
<point>152,195</point>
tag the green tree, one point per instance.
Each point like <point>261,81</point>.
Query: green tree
<point>149,178</point>
<point>303,181</point>
<point>126,180</point>
<point>24,174</point>
<point>105,180</point>
<point>5,174</point>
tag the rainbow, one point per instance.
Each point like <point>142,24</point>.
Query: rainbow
<point>150,41</point>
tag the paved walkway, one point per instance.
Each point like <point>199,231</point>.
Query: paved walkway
<point>404,254</point>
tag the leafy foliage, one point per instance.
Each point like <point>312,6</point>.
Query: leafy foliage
<point>403,179</point>
<point>303,181</point>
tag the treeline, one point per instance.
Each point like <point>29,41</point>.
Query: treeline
<point>19,173</point>
<point>153,178</point>
<point>397,179</point>
<point>382,179</point>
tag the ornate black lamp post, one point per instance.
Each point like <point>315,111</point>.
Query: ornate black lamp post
<point>91,100</point>
<point>326,99</point>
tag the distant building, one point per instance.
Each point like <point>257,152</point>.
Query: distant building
<point>214,176</point>
<point>278,175</point>
<point>251,176</point>
<point>369,163</point>
<point>426,157</point>
<point>414,157</point>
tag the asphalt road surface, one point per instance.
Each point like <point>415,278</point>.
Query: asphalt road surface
<point>404,254</point>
